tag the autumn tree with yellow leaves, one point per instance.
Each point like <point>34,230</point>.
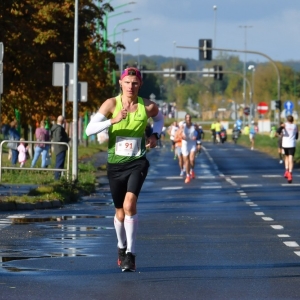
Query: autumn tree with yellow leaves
<point>37,33</point>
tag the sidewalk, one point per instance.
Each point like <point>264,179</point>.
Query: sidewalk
<point>97,160</point>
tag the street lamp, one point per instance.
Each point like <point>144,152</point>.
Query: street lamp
<point>174,55</point>
<point>245,27</point>
<point>215,25</point>
<point>106,17</point>
<point>137,40</point>
<point>123,31</point>
<point>114,80</point>
<point>252,67</point>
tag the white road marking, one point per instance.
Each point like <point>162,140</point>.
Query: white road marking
<point>277,227</point>
<point>249,202</point>
<point>267,219</point>
<point>260,213</point>
<point>290,184</point>
<point>283,235</point>
<point>239,176</point>
<point>230,181</point>
<point>251,185</point>
<point>253,205</point>
<point>291,244</point>
<point>172,188</point>
<point>297,253</point>
<point>271,176</point>
<point>174,177</point>
<point>206,177</point>
<point>211,187</point>
<point>243,194</point>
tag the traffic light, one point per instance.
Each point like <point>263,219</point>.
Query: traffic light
<point>218,72</point>
<point>181,75</point>
<point>278,104</point>
<point>205,54</point>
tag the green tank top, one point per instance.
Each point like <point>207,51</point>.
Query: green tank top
<point>127,138</point>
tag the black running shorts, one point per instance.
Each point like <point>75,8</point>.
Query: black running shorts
<point>126,177</point>
<point>289,151</point>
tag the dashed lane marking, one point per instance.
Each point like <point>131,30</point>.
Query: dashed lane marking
<point>211,187</point>
<point>283,235</point>
<point>239,176</point>
<point>172,188</point>
<point>271,176</point>
<point>251,185</point>
<point>259,213</point>
<point>290,184</point>
<point>267,219</point>
<point>277,227</point>
<point>230,181</point>
<point>291,244</point>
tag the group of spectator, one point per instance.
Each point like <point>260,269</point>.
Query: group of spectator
<point>18,150</point>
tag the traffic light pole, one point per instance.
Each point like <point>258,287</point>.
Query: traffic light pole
<point>244,51</point>
<point>206,72</point>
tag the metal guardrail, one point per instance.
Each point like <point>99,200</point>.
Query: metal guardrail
<point>67,169</point>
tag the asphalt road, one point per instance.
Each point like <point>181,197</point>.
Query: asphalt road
<point>232,233</point>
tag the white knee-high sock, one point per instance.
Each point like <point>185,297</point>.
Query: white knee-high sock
<point>121,234</point>
<point>131,225</point>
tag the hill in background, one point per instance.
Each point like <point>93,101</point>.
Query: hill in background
<point>192,64</point>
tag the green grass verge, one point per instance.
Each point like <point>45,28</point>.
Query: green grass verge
<point>266,144</point>
<point>48,189</point>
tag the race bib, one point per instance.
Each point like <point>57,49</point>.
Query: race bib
<point>128,146</point>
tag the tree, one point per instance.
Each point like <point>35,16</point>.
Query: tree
<point>37,33</point>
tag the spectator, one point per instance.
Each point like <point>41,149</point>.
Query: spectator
<point>58,134</point>
<point>41,135</point>
<point>14,136</point>
<point>22,152</point>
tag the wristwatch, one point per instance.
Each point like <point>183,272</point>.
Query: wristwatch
<point>157,135</point>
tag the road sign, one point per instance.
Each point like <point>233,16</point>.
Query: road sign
<point>62,74</point>
<point>262,108</point>
<point>289,105</point>
<point>247,111</point>
<point>82,92</point>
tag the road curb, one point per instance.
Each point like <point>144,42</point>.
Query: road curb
<point>9,206</point>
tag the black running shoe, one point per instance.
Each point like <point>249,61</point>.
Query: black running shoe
<point>121,256</point>
<point>129,263</point>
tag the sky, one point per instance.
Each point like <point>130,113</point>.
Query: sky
<point>271,27</point>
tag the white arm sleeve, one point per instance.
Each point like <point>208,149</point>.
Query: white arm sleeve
<point>158,123</point>
<point>97,124</point>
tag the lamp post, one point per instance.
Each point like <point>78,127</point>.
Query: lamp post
<point>252,67</point>
<point>137,40</point>
<point>114,80</point>
<point>245,27</point>
<point>174,55</point>
<point>106,17</point>
<point>75,104</point>
<point>122,52</point>
<point>215,25</point>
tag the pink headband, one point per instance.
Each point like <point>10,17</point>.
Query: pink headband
<point>132,71</point>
